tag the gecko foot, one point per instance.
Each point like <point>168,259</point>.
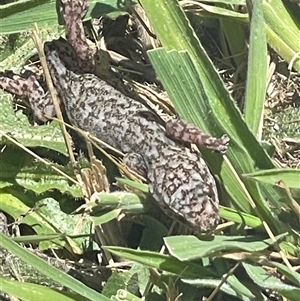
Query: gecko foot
<point>41,102</point>
<point>183,131</point>
<point>73,10</point>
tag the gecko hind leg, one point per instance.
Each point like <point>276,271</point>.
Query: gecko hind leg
<point>186,132</point>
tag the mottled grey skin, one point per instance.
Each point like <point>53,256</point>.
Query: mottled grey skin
<point>178,178</point>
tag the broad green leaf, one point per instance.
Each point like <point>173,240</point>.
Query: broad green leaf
<point>66,223</point>
<point>13,159</point>
<point>142,274</point>
<point>257,72</point>
<point>46,220</point>
<point>153,233</point>
<point>290,177</point>
<point>44,13</point>
<point>17,125</point>
<point>50,271</point>
<point>133,281</point>
<point>15,208</point>
<point>266,280</point>
<point>186,247</point>
<point>41,183</point>
<point>162,262</point>
<point>14,58</point>
<point>40,179</point>
<point>20,168</point>
<point>115,282</point>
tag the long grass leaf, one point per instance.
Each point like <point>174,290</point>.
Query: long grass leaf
<point>50,271</point>
<point>257,72</point>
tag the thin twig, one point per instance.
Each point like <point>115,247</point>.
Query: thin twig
<point>230,272</point>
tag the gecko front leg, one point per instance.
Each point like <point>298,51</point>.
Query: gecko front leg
<point>72,12</point>
<point>183,131</point>
<point>40,102</point>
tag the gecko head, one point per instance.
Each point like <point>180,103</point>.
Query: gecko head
<point>204,214</point>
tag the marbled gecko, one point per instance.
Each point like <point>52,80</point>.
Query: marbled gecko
<point>178,178</point>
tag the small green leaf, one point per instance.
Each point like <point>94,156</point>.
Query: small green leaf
<point>288,273</point>
<point>187,247</point>
<point>106,217</point>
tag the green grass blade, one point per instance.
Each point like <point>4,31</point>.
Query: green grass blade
<point>240,218</point>
<point>234,36</point>
<point>283,23</point>
<point>284,49</point>
<point>163,262</point>
<point>17,124</point>
<point>290,177</point>
<point>257,72</point>
<point>34,292</point>
<point>50,271</point>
